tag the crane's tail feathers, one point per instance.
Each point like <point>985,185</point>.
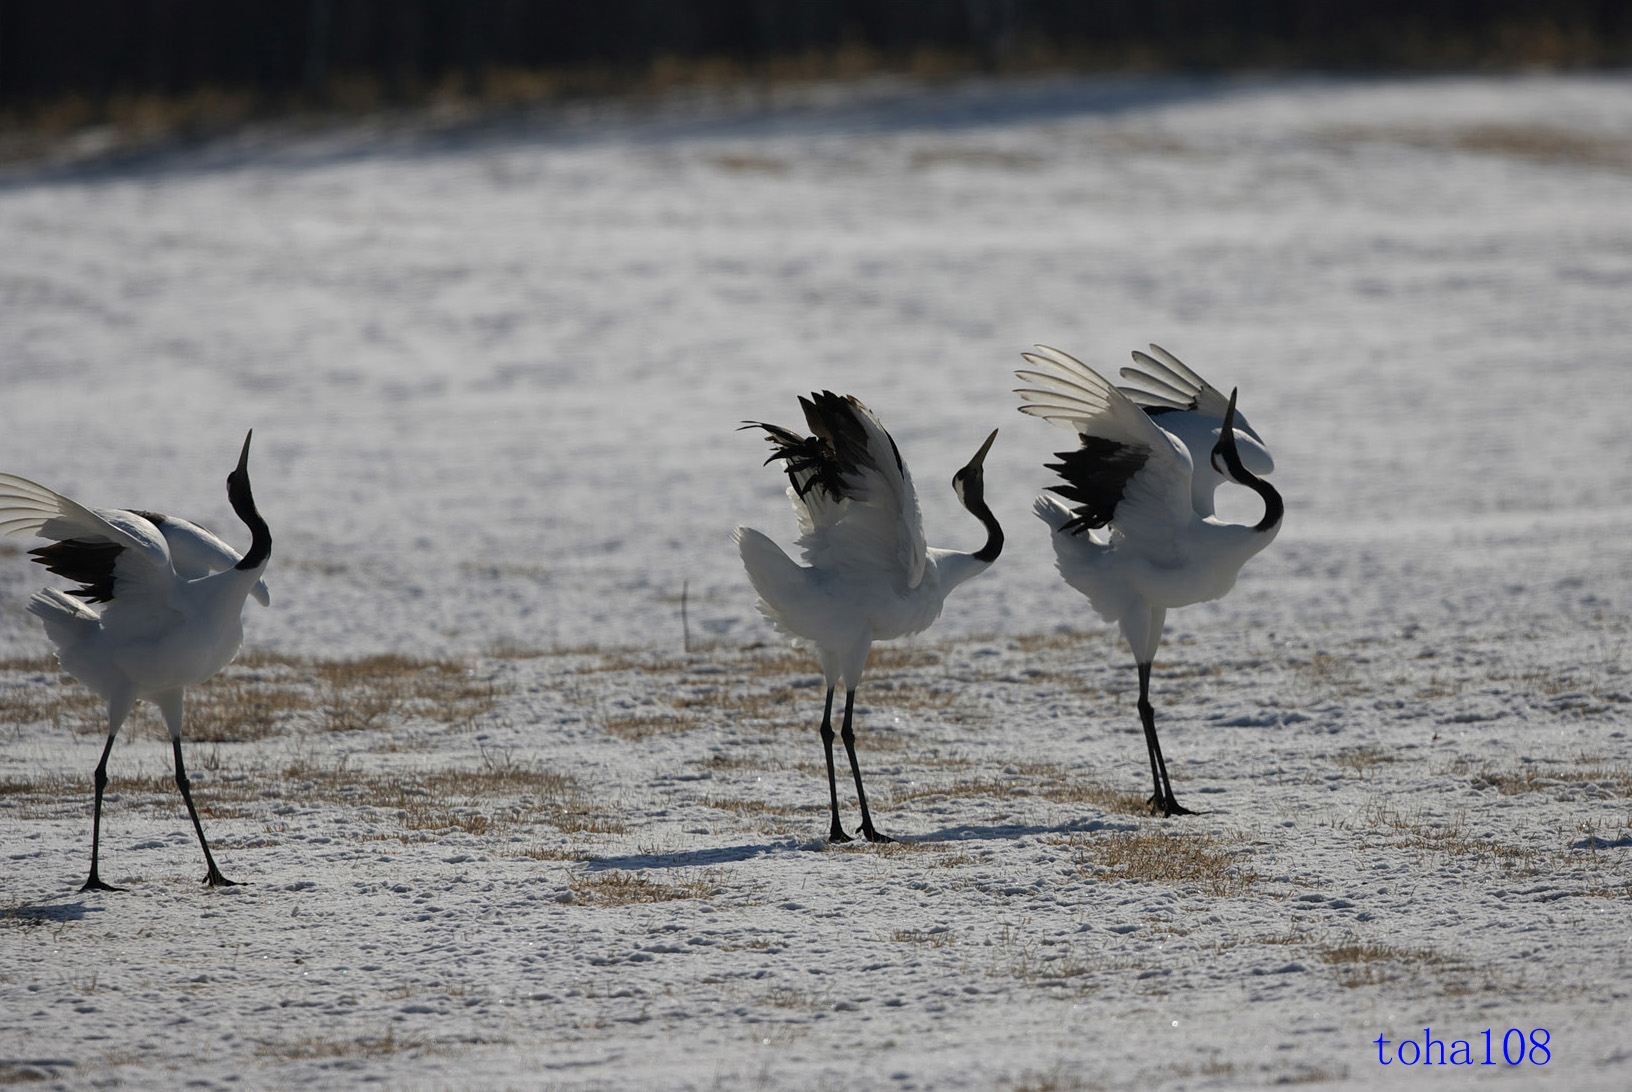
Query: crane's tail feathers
<point>1078,557</point>
<point>779,580</point>
<point>1052,512</point>
<point>66,620</point>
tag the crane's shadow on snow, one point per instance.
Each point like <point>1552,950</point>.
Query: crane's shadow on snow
<point>702,858</point>
<point>693,858</point>
<point>1013,832</point>
<point>38,913</point>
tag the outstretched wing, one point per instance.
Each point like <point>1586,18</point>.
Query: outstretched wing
<point>858,510</point>
<point>1127,470</point>
<point>1164,382</point>
<point>108,551</point>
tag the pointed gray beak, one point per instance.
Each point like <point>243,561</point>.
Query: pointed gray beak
<point>243,457</point>
<point>1225,447</point>
<point>980,456</point>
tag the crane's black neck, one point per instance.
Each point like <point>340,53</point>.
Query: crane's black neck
<point>1274,507</point>
<point>243,503</point>
<point>971,489</point>
<point>994,534</point>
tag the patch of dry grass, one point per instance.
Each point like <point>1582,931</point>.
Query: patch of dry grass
<point>548,853</point>
<point>265,694</point>
<point>958,156</point>
<point>1364,760</point>
<point>319,1048</point>
<point>1324,676</point>
<point>1045,963</point>
<point>1536,143</point>
<point>1044,780</point>
<point>1058,1078</point>
<point>755,808</point>
<point>1194,859</point>
<point>1549,776</point>
<point>779,706</point>
<point>759,687</point>
<point>476,801</point>
<point>56,701</point>
<point>1442,836</point>
<point>624,888</point>
<point>930,938</point>
<point>635,727</point>
<point>1358,963</point>
<point>1060,640</point>
<point>743,163</point>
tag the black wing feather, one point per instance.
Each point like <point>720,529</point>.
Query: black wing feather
<point>810,462</point>
<point>87,563</point>
<point>1096,475</point>
<point>830,458</point>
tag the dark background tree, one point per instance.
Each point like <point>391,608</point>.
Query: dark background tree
<point>282,54</point>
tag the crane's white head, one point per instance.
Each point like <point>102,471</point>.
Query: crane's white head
<point>1249,451</point>
<point>970,482</point>
<point>970,486</point>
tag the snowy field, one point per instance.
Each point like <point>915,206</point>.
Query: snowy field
<point>501,828</point>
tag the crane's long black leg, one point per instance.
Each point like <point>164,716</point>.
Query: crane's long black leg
<point>849,735</point>
<point>101,780</point>
<point>1149,724</point>
<point>836,832</point>
<point>1162,800</point>
<point>214,877</point>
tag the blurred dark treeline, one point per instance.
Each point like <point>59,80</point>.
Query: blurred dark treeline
<point>88,59</point>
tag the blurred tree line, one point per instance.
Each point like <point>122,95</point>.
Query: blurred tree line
<point>99,60</point>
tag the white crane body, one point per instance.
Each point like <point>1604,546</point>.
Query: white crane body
<point>1142,537</point>
<point>173,617</point>
<point>868,575</point>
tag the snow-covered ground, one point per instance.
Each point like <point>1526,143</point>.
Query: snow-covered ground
<point>495,375</point>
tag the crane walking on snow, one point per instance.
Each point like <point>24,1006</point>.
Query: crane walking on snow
<point>174,616</point>
<point>869,575</point>
<point>1142,537</point>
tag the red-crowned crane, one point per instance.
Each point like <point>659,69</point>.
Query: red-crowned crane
<point>174,596</point>
<point>868,574</point>
<point>1141,537</point>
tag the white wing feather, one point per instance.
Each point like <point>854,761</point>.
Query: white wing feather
<point>878,528</point>
<point>1071,395</point>
<point>28,508</point>
<point>178,545</point>
<point>1164,380</point>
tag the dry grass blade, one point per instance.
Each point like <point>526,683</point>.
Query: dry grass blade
<point>1190,859</point>
<point>321,1048</point>
<point>263,695</point>
<point>624,888</point>
<point>1045,780</point>
<point>640,726</point>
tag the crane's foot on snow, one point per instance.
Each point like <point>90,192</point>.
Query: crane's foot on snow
<point>215,879</point>
<point>1167,808</point>
<point>837,835</point>
<point>874,836</point>
<point>95,884</point>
